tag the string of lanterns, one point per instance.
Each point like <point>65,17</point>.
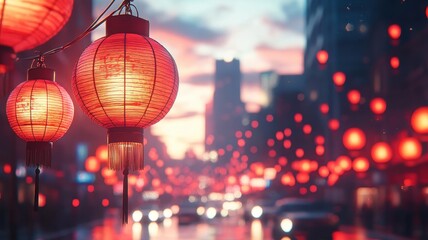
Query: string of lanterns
<point>125,82</point>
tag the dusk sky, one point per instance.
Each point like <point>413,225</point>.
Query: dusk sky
<point>263,35</point>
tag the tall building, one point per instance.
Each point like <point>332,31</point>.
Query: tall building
<point>227,107</point>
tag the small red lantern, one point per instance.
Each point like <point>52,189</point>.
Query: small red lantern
<point>323,171</point>
<point>288,179</point>
<point>324,108</point>
<point>381,152</point>
<point>339,79</point>
<point>302,177</point>
<point>320,150</point>
<point>333,124</point>
<point>298,117</point>
<point>361,164</point>
<point>378,105</point>
<point>322,56</point>
<point>307,129</point>
<point>354,96</point>
<point>354,139</point>
<point>394,62</point>
<point>419,120</point>
<point>40,112</point>
<point>409,149</point>
<point>344,162</point>
<point>394,31</point>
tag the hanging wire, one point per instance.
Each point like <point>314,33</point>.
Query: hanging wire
<point>125,6</point>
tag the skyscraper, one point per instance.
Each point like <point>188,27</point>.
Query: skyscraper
<point>227,107</point>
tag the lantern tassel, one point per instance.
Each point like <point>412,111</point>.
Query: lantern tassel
<point>36,189</point>
<point>125,197</point>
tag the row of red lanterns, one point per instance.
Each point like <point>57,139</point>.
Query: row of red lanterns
<point>124,82</point>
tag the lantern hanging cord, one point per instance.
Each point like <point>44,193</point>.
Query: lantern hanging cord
<point>126,4</point>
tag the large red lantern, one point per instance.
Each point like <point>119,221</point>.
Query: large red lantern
<point>125,82</point>
<point>378,105</point>
<point>27,24</point>
<point>419,120</point>
<point>381,152</point>
<point>409,149</point>
<point>354,139</point>
<point>40,112</point>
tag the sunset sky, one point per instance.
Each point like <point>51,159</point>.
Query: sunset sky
<point>263,35</point>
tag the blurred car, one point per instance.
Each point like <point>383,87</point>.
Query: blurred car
<point>190,212</point>
<point>304,217</point>
<point>149,213</point>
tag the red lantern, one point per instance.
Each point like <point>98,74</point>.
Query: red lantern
<point>344,162</point>
<point>323,171</point>
<point>40,112</point>
<point>125,82</point>
<point>333,124</point>
<point>409,149</point>
<point>322,56</point>
<point>419,120</point>
<point>302,177</point>
<point>324,108</point>
<point>361,164</point>
<point>378,105</point>
<point>394,62</point>
<point>354,96</point>
<point>354,139</point>
<point>381,152</point>
<point>339,78</point>
<point>298,117</point>
<point>28,24</point>
<point>394,31</point>
<point>307,129</point>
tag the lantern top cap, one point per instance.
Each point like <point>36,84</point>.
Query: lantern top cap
<point>41,73</point>
<point>127,24</point>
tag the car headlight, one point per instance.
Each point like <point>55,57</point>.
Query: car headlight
<point>286,225</point>
<point>256,211</point>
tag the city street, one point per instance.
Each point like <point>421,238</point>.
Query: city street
<point>231,228</point>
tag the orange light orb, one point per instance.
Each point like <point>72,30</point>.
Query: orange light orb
<point>344,162</point>
<point>339,79</point>
<point>92,165</point>
<point>394,62</point>
<point>288,179</point>
<point>378,105</point>
<point>354,139</point>
<point>324,108</point>
<point>354,96</point>
<point>381,152</point>
<point>419,120</point>
<point>102,153</point>
<point>323,171</point>
<point>361,164</point>
<point>305,166</point>
<point>302,177</point>
<point>409,149</point>
<point>333,124</point>
<point>394,31</point>
<point>322,56</point>
<point>320,150</point>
